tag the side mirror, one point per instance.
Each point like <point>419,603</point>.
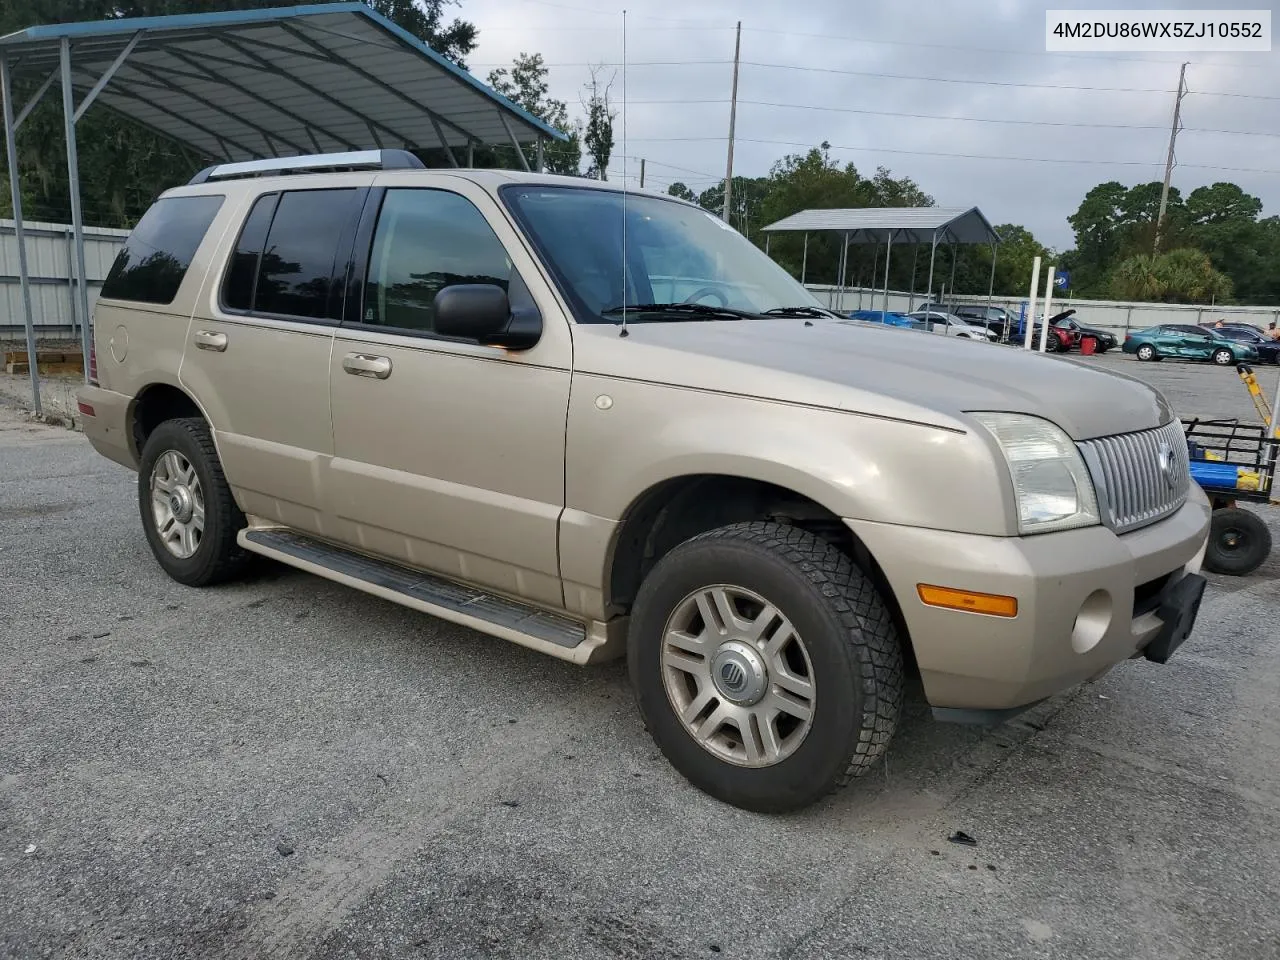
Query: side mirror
<point>483,312</point>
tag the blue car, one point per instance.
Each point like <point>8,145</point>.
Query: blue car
<point>883,316</point>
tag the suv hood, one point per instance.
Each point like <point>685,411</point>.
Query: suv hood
<point>872,369</point>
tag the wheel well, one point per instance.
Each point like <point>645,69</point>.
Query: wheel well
<point>676,510</point>
<point>156,404</point>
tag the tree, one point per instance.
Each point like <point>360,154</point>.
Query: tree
<point>678,189</point>
<point>525,84</point>
<point>425,20</point>
<point>1179,276</point>
<point>598,137</point>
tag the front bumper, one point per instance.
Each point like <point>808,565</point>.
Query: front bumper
<point>1087,599</point>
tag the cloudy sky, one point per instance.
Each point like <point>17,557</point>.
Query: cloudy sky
<point>848,72</point>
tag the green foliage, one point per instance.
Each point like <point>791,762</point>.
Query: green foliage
<point>525,84</point>
<point>598,137</point>
<point>1179,276</point>
<point>1115,235</point>
<point>678,189</point>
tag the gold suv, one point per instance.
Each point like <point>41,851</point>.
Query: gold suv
<point>598,423</point>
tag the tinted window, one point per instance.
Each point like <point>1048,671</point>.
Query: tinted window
<point>151,265</point>
<point>242,271</point>
<point>297,263</point>
<point>427,240</point>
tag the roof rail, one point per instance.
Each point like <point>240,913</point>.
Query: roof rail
<point>313,163</point>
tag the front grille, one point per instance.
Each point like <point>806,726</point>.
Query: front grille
<point>1139,477</point>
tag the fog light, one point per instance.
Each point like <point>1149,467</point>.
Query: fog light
<point>1092,621</point>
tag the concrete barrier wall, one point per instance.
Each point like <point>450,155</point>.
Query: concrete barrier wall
<point>1113,315</point>
<point>50,254</point>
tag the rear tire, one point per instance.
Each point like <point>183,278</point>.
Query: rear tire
<point>1146,352</point>
<point>1239,542</point>
<point>1223,357</point>
<point>188,513</point>
<point>789,621</point>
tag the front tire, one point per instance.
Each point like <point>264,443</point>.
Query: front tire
<point>1146,352</point>
<point>188,513</point>
<point>1239,542</point>
<point>766,665</point>
<point>1223,357</point>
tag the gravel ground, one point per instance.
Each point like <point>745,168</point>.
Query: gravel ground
<point>288,768</point>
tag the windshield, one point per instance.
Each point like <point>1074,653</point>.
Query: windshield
<point>676,254</point>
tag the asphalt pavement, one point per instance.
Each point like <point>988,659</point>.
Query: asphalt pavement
<point>287,768</point>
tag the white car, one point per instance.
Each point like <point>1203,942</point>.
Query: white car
<point>949,325</point>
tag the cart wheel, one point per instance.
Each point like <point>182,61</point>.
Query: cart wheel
<point>1238,542</point>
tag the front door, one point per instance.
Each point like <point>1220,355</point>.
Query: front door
<point>448,455</point>
<point>257,359</point>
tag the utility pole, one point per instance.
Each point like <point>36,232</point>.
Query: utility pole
<point>642,173</point>
<point>1168,164</point>
<point>733,116</point>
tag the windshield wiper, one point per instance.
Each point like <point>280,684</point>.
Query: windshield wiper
<point>802,312</point>
<point>696,311</point>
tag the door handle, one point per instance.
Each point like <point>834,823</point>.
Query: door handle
<point>208,340</point>
<point>365,365</point>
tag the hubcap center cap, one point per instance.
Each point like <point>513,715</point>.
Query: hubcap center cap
<point>739,673</point>
<point>182,503</point>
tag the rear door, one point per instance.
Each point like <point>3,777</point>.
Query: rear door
<point>257,359</point>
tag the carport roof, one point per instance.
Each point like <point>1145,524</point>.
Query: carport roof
<point>242,84</point>
<point>901,224</point>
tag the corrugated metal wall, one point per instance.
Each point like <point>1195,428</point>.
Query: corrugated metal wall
<point>49,258</point>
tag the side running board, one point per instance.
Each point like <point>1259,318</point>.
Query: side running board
<point>496,615</point>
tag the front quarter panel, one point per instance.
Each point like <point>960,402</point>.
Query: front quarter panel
<point>627,436</point>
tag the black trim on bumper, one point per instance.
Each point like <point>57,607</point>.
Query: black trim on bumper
<point>1179,606</point>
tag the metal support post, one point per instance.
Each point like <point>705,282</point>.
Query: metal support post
<point>844,270</point>
<point>81,307</point>
<point>15,191</point>
<point>1048,304</point>
<point>767,238</point>
<point>804,259</point>
<point>888,249</point>
<point>539,162</point>
<point>471,154</point>
<point>1030,320</point>
<point>952,285</point>
<point>933,250</point>
<point>911,298</point>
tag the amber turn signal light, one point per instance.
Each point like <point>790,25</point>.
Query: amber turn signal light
<point>991,604</point>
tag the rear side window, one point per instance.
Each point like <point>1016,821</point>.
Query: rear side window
<point>242,272</point>
<point>296,265</point>
<point>155,258</point>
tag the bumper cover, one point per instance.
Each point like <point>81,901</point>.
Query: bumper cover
<point>108,428</point>
<point>1087,599</point>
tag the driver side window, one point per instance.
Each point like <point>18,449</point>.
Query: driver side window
<point>426,240</point>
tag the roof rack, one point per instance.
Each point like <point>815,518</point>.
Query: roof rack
<point>313,163</point>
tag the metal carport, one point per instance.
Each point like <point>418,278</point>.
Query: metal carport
<point>248,84</point>
<point>887,225</point>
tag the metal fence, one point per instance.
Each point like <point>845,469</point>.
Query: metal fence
<point>1115,315</point>
<point>50,254</point>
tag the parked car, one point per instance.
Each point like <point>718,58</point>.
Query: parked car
<point>948,324</point>
<point>995,319</point>
<point>1060,339</point>
<point>1236,324</point>
<point>416,383</point>
<point>1268,349</point>
<point>1187,342</point>
<point>1104,339</point>
<point>887,317</point>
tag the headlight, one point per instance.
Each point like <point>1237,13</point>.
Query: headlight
<point>1050,480</point>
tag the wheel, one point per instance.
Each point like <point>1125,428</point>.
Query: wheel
<point>765,664</point>
<point>1147,352</point>
<point>1238,542</point>
<point>187,510</point>
<point>1223,357</point>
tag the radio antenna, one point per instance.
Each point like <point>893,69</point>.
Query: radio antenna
<point>623,332</point>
